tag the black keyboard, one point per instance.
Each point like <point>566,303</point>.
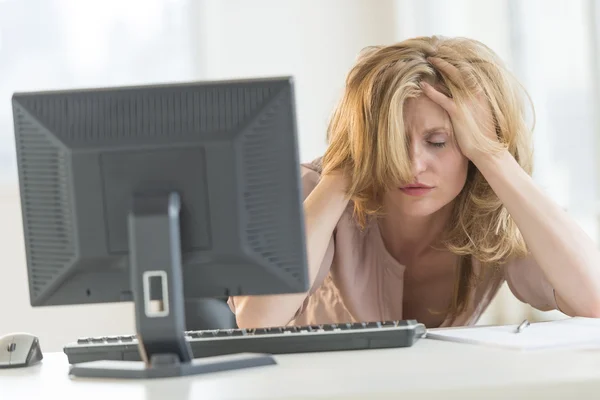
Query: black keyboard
<point>279,340</point>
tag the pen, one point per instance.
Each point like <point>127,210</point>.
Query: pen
<point>522,326</point>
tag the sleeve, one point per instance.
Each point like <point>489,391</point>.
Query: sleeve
<point>309,180</point>
<point>528,283</point>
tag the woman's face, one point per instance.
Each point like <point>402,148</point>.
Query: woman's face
<point>438,166</point>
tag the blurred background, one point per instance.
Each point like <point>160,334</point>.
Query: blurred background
<point>551,45</point>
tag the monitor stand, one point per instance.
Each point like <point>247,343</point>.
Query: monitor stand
<point>157,284</point>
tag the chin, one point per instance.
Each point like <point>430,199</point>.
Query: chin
<point>420,211</point>
<point>417,206</point>
<point>422,208</point>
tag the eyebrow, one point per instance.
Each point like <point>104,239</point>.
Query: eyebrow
<point>437,129</point>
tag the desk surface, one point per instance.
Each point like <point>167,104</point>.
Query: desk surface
<point>430,369</point>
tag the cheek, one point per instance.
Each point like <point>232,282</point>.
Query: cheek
<point>454,173</point>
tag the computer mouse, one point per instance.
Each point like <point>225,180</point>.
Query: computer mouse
<point>19,350</point>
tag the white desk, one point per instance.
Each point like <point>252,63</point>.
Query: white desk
<point>428,370</point>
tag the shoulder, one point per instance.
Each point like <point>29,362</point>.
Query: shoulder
<point>310,174</point>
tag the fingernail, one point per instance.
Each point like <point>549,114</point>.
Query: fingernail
<point>423,85</point>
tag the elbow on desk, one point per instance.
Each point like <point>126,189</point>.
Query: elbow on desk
<point>593,305</point>
<point>250,316</point>
<point>589,309</point>
<point>246,322</point>
<point>593,310</point>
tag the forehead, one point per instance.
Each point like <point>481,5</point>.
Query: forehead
<point>421,114</point>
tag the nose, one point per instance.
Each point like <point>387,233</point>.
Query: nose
<point>418,160</point>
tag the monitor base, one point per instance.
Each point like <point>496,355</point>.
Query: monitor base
<point>168,367</point>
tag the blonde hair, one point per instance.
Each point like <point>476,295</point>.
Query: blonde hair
<point>367,141</point>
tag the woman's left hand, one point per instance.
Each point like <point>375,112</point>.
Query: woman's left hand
<point>473,124</point>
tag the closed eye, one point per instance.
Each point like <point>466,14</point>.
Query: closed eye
<point>437,144</point>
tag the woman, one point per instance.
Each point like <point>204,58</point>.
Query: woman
<point>423,204</point>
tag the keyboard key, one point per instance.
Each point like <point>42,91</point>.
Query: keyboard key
<point>126,339</point>
<point>372,325</point>
<point>112,339</point>
<point>84,341</point>
<point>98,340</point>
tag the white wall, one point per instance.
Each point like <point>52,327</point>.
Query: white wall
<point>314,41</point>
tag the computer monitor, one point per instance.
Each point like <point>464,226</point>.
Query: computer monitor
<point>156,194</point>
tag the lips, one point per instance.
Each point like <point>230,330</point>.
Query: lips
<point>416,189</point>
<point>416,186</point>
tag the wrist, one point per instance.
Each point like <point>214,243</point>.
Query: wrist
<point>485,160</point>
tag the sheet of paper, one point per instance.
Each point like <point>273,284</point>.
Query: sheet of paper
<point>567,333</point>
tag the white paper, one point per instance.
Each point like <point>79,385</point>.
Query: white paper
<point>568,333</point>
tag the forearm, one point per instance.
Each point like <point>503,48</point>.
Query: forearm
<point>322,210</point>
<point>569,258</point>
